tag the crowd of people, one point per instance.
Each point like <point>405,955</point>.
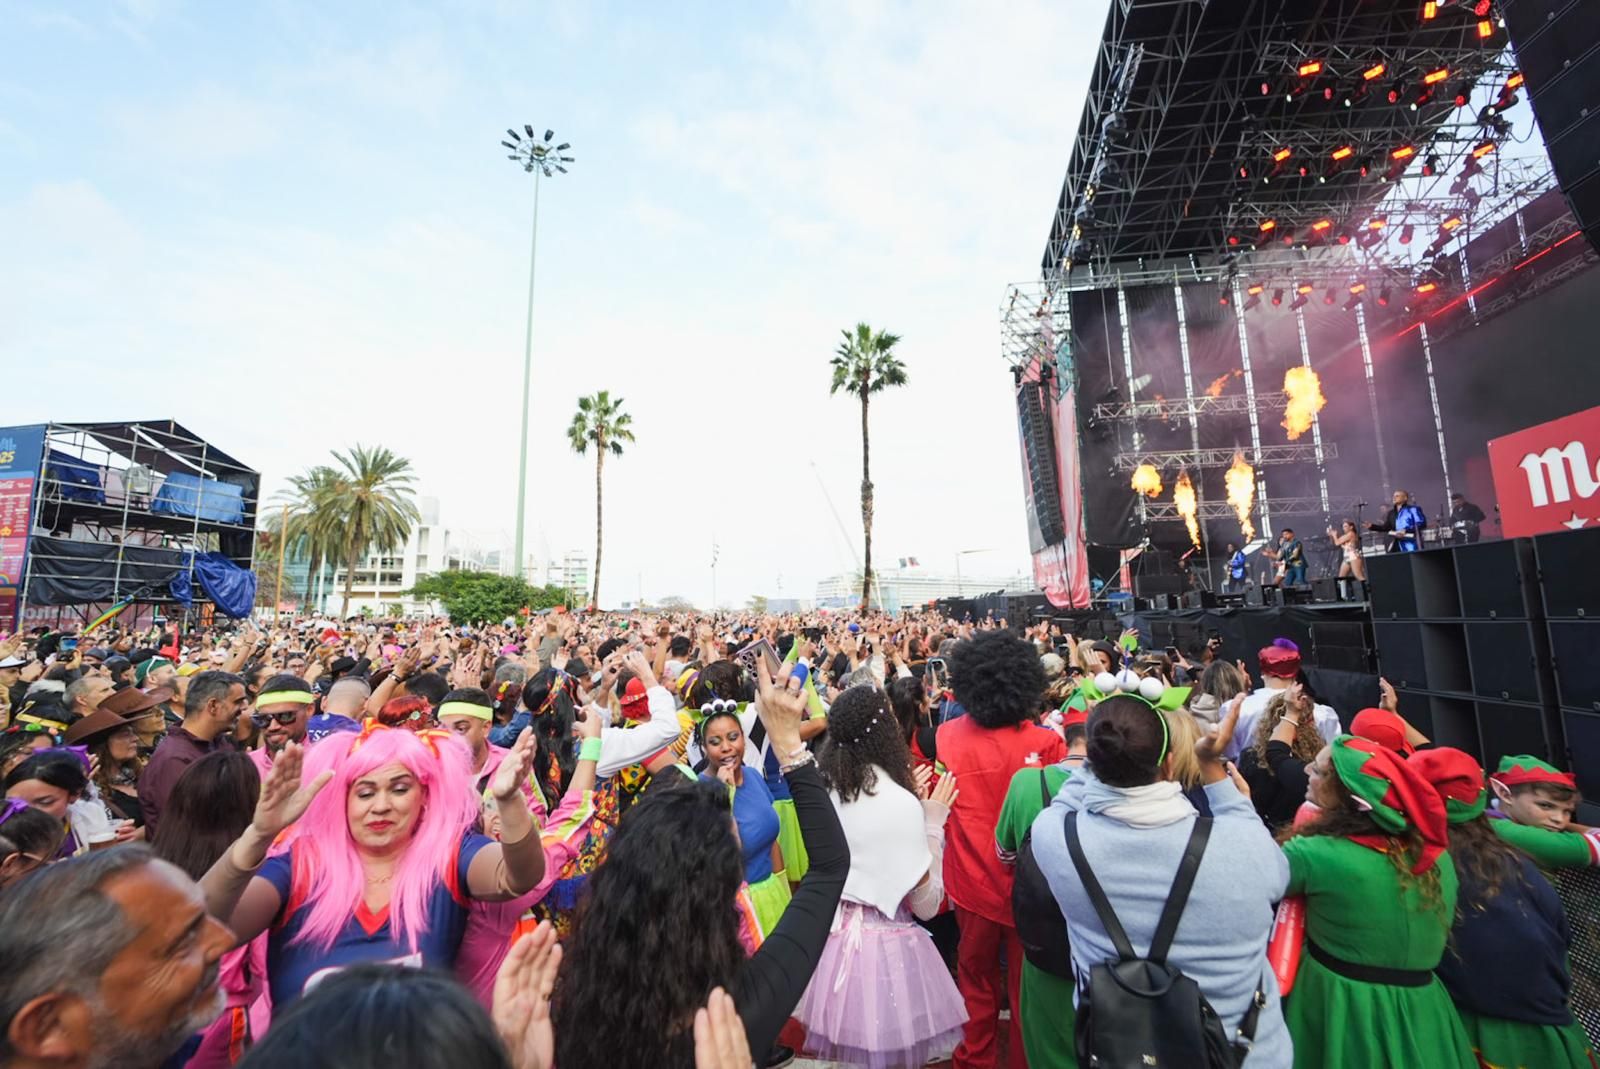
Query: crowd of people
<point>607,841</point>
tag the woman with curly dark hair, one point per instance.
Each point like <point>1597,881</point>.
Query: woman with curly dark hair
<point>1380,896</point>
<point>659,928</point>
<point>914,712</point>
<point>722,739</point>
<point>1506,963</point>
<point>1284,742</point>
<point>881,996</point>
<point>996,677</point>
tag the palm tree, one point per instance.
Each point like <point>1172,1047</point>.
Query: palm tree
<point>372,500</point>
<point>865,364</point>
<point>313,524</point>
<point>600,420</point>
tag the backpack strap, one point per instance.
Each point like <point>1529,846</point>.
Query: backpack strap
<point>1178,897</point>
<point>1097,895</point>
<point>1044,789</point>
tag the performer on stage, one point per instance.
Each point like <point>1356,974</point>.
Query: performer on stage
<point>1234,583</point>
<point>1348,539</point>
<point>1403,523</point>
<point>1466,519</point>
<point>1291,558</point>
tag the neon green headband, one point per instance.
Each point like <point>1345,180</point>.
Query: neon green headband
<point>477,712</point>
<point>286,697</point>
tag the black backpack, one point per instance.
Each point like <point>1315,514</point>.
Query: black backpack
<point>1041,928</point>
<point>1137,1013</point>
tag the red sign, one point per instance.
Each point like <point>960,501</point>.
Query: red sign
<point>1548,477</point>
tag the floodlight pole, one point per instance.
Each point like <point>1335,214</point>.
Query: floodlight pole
<point>527,377</point>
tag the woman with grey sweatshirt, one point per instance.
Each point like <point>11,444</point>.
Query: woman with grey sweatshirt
<point>1134,824</point>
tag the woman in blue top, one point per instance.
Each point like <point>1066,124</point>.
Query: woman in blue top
<point>722,740</point>
<point>382,867</point>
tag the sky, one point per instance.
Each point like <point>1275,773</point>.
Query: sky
<point>291,227</point>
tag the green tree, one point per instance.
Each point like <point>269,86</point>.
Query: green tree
<point>865,364</point>
<point>374,506</point>
<point>757,604</point>
<point>311,521</point>
<point>480,597</point>
<point>599,421</point>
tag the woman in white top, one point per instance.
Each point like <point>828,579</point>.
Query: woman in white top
<point>881,996</point>
<point>1349,542</point>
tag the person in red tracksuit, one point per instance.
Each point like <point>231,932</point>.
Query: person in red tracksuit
<point>997,680</point>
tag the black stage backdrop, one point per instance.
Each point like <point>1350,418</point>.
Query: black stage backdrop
<point>1527,365</point>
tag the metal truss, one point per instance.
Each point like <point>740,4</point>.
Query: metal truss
<point>1266,456</point>
<point>1163,511</point>
<point>1154,168</point>
<point>1182,408</point>
<point>1036,330</point>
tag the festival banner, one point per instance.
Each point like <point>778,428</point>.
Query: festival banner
<point>21,455</point>
<point>1547,477</point>
<point>1061,569</point>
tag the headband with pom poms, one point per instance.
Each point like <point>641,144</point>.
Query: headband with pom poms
<point>1151,688</point>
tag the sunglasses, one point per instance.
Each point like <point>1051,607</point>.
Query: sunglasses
<point>261,720</point>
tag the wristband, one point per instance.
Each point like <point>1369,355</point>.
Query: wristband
<point>590,750</point>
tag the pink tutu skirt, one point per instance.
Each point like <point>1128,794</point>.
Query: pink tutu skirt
<point>881,996</point>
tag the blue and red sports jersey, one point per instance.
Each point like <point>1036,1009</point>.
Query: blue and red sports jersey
<point>295,967</point>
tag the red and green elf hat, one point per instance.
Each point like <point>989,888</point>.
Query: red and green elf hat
<point>1457,778</point>
<point>1396,796</point>
<point>1518,769</point>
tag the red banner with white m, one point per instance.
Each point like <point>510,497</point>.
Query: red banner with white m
<point>1547,478</point>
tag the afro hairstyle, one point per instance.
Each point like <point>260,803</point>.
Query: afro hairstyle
<point>997,678</point>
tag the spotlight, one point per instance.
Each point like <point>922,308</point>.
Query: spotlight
<point>1282,154</point>
<point>1357,288</point>
<point>1374,71</point>
<point>1298,302</point>
<point>1451,223</point>
<point>1434,77</point>
<point>1430,9</point>
<point>1425,288</point>
<point>1430,165</point>
<point>1322,226</point>
<point>1343,152</point>
<point>1406,233</point>
<point>1513,82</point>
<point>1304,289</point>
<point>1277,297</point>
<point>1350,305</point>
<point>1252,302</point>
<point>1310,67</point>
<point>1481,8</point>
<point>1483,150</point>
<point>1255,290</point>
<point>1485,29</point>
<point>1383,297</point>
<point>1268,225</point>
<point>1331,296</point>
<point>1403,153</point>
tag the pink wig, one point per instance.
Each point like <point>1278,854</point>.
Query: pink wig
<point>328,876</point>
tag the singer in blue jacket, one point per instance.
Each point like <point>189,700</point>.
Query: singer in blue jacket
<point>1403,523</point>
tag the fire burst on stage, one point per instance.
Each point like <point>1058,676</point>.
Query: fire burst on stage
<point>1304,390</point>
<point>1183,497</point>
<point>1241,483</point>
<point>1217,384</point>
<point>1147,480</point>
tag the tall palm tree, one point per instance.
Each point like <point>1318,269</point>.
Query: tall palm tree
<point>373,503</point>
<point>313,526</point>
<point>599,420</point>
<point>865,364</point>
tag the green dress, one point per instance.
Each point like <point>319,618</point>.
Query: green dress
<point>1047,1014</point>
<point>1502,1044</point>
<point>1356,911</point>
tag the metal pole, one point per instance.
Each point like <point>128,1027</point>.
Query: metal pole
<point>1127,371</point>
<point>1316,420</point>
<point>527,381</point>
<point>1438,418</point>
<point>1250,399</point>
<point>283,546</point>
<point>1372,397</point>
<point>1194,414</point>
<point>122,535</point>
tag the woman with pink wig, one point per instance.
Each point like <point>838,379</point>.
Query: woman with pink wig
<point>383,866</point>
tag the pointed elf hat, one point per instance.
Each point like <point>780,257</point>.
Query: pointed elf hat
<point>1395,795</point>
<point>1458,779</point>
<point>1518,769</point>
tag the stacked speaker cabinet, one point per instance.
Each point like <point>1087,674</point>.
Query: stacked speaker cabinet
<point>1460,632</point>
<point>1570,586</point>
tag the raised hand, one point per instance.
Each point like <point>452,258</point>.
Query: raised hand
<point>522,990</point>
<point>514,767</point>
<point>589,722</point>
<point>719,1038</point>
<point>922,776</point>
<point>284,799</point>
<point>1210,748</point>
<point>1387,699</point>
<point>781,708</point>
<point>945,792</point>
<point>639,665</point>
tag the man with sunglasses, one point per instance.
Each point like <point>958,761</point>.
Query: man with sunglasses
<point>281,711</point>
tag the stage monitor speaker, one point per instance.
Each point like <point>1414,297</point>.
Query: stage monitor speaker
<point>1491,579</point>
<point>1325,589</point>
<point>1394,595</point>
<point>1146,586</point>
<point>1253,597</point>
<point>1573,647</point>
<point>1567,572</point>
<point>1555,44</point>
<point>1199,599</point>
<point>1038,444</point>
<point>1502,660</point>
<point>1400,660</point>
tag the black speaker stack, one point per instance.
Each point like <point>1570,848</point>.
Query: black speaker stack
<point>1038,441</point>
<point>1495,647</point>
<point>1558,48</point>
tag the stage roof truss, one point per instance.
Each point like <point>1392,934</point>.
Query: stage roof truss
<point>1266,456</point>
